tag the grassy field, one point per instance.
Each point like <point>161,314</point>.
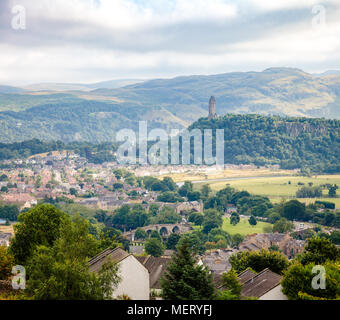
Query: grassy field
<point>243,227</point>
<point>192,174</point>
<point>277,188</point>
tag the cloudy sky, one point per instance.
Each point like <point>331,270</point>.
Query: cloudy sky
<point>94,40</point>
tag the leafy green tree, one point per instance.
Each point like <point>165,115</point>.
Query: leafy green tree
<point>154,247</point>
<point>117,186</point>
<point>3,177</point>
<point>273,217</point>
<point>294,210</point>
<point>185,280</point>
<point>131,180</point>
<point>169,196</point>
<point>118,173</point>
<point>283,226</point>
<point>155,234</point>
<point>4,189</point>
<point>252,221</point>
<point>167,215</point>
<point>212,219</point>
<point>196,240</point>
<point>196,218</point>
<point>335,237</point>
<point>232,283</point>
<point>218,234</point>
<point>172,241</point>
<point>61,272</point>
<point>9,212</point>
<point>234,219</point>
<point>297,282</point>
<point>170,183</point>
<point>141,234</point>
<point>126,218</point>
<point>73,192</point>
<point>259,210</point>
<point>159,186</point>
<point>259,260</point>
<point>194,195</point>
<point>332,191</point>
<point>153,209</point>
<point>309,192</point>
<point>318,251</point>
<point>205,191</point>
<point>38,226</point>
<point>237,239</point>
<point>6,263</point>
<point>186,188</point>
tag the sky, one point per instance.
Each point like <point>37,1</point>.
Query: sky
<point>85,41</point>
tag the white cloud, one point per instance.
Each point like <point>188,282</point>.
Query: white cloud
<point>273,5</point>
<point>81,41</point>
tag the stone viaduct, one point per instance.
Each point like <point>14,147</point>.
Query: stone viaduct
<point>163,229</point>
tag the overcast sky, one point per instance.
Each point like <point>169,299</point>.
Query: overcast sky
<point>94,40</point>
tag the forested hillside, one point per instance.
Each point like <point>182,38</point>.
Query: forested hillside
<point>289,142</point>
<point>95,153</point>
<point>165,103</point>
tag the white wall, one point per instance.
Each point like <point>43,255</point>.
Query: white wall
<point>4,243</point>
<point>135,281</point>
<point>274,294</point>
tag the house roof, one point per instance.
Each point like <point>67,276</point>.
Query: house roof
<point>116,255</point>
<point>156,268</point>
<point>249,247</point>
<point>246,276</point>
<point>5,235</point>
<point>243,277</point>
<point>260,284</point>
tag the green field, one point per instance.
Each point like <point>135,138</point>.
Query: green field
<point>243,227</point>
<point>277,188</point>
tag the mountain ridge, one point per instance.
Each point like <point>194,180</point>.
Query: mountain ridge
<point>175,103</point>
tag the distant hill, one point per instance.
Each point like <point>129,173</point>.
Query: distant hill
<point>328,73</point>
<point>280,91</point>
<point>9,89</point>
<point>112,84</point>
<point>95,114</point>
<point>287,141</point>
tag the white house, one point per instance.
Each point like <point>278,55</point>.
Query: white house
<point>5,239</point>
<point>135,279</point>
<point>264,285</point>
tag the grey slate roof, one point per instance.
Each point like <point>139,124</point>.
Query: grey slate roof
<point>260,284</point>
<point>116,255</point>
<point>156,268</point>
<point>246,276</point>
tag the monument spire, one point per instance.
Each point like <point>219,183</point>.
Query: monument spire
<point>212,108</point>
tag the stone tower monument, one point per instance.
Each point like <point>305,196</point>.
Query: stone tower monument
<point>212,108</point>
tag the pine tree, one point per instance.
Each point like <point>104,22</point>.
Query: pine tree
<point>185,280</point>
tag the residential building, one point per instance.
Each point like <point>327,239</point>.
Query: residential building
<point>264,285</point>
<point>135,279</point>
<point>286,244</point>
<point>156,268</point>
